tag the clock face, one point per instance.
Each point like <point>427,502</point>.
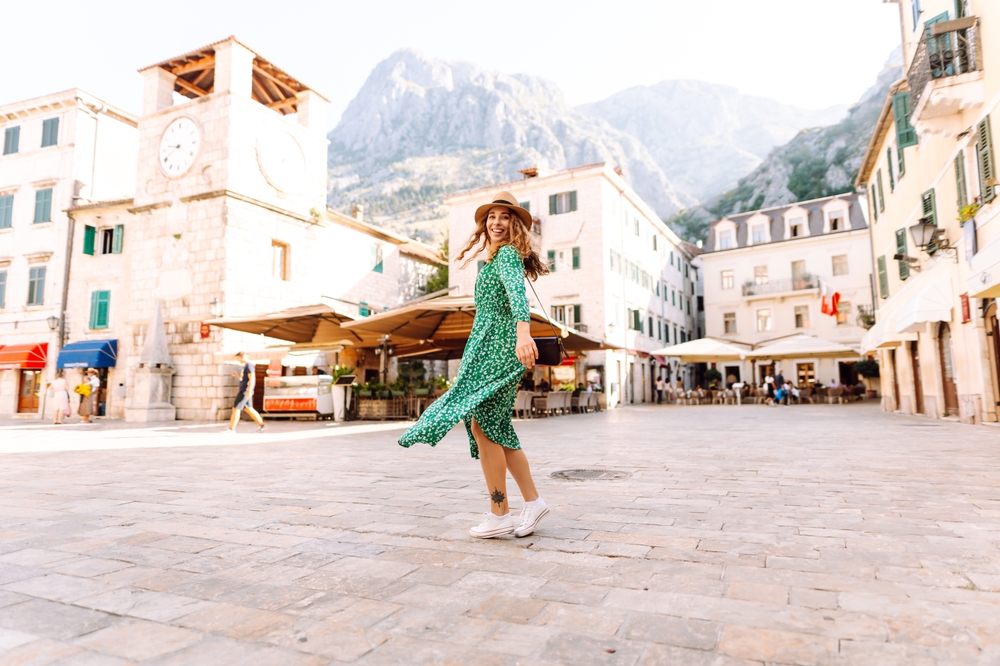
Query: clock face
<point>281,161</point>
<point>179,147</point>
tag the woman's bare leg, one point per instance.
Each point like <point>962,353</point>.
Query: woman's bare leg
<point>491,457</point>
<point>517,463</point>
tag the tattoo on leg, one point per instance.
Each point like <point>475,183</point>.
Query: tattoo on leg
<point>497,496</point>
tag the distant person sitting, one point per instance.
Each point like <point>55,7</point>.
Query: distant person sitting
<point>543,386</point>
<point>833,384</point>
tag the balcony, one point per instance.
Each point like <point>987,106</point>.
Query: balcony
<point>946,77</point>
<point>579,328</point>
<point>781,288</point>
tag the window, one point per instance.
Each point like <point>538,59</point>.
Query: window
<point>673,298</point>
<point>526,205</point>
<point>906,135</point>
<point>728,280</point>
<point>636,226</point>
<point>3,289</point>
<point>671,257</point>
<point>550,258</point>
<point>840,264</point>
<point>50,132</point>
<point>725,240</point>
<point>576,258</point>
<point>43,205</point>
<point>796,227</point>
<point>843,313</point>
<point>36,285</point>
<point>686,273</point>
<point>6,211</point>
<point>279,260</point>
<point>960,185</point>
<point>915,9</point>
<point>650,327</point>
<point>798,272</point>
<point>689,306</point>
<point>801,316</point>
<point>805,374</point>
<point>883,278</point>
<point>729,322</point>
<point>479,266</point>
<point>984,156</point>
<point>874,201</point>
<point>881,199</point>
<point>564,202</point>
<point>376,258</point>
<point>654,242</point>
<point>635,320</point>
<point>659,329</point>
<point>760,275</point>
<point>904,266</point>
<point>676,339</point>
<point>837,221</point>
<point>680,300</point>
<point>759,234</point>
<point>559,313</point>
<point>11,139</point>
<point>888,164</point>
<point>635,272</point>
<point>363,309</point>
<point>107,240</point>
<point>89,239</point>
<point>763,320</point>
<point>100,305</point>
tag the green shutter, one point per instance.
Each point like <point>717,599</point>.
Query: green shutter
<point>11,139</point>
<point>984,150</point>
<point>906,135</point>
<point>963,196</point>
<point>576,257</point>
<point>928,206</point>
<point>551,255</point>
<point>874,199</point>
<point>577,309</point>
<point>883,278</point>
<point>888,163</point>
<point>50,132</point>
<point>552,204</point>
<point>363,309</point>
<point>479,265</point>
<point>526,205</point>
<point>6,211</point>
<point>904,267</point>
<point>117,239</point>
<point>103,308</point>
<point>89,236</point>
<point>572,200</point>
<point>881,198</point>
<point>43,205</point>
<point>901,162</point>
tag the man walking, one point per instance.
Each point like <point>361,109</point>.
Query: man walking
<point>779,382</point>
<point>244,396</point>
<point>659,390</point>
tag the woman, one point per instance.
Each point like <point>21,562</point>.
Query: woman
<point>88,403</point>
<point>769,383</point>
<point>60,394</point>
<point>499,350</point>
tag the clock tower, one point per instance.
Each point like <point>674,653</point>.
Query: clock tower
<point>229,208</point>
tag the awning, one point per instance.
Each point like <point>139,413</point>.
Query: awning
<point>26,357</point>
<point>315,324</point>
<point>88,354</point>
<point>801,346</point>
<point>883,335</point>
<point>933,303</point>
<point>706,350</point>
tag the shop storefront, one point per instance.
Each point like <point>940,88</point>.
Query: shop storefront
<point>21,384</point>
<point>102,355</point>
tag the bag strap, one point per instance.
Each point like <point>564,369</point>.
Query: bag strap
<point>558,337</point>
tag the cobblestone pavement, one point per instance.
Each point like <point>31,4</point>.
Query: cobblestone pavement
<point>744,535</point>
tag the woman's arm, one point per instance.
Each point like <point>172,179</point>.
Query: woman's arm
<point>511,270</point>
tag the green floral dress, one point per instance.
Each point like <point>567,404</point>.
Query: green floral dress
<point>490,373</point>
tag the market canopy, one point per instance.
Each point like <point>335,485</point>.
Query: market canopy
<point>88,354</point>
<point>932,304</point>
<point>443,321</point>
<point>801,346</point>
<point>24,357</point>
<point>882,335</point>
<point>314,324</point>
<point>706,350</point>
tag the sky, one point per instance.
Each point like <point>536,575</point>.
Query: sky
<point>810,53</point>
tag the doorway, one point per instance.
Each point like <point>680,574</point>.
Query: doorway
<point>918,387</point>
<point>895,379</point>
<point>848,375</point>
<point>732,375</point>
<point>947,370</point>
<point>993,331</point>
<point>805,375</point>
<point>27,397</point>
<point>764,371</point>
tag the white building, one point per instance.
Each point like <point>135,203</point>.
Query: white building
<point>59,150</point>
<point>617,272</point>
<point>763,273</point>
<point>228,218</point>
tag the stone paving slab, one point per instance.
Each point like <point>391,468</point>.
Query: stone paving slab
<point>809,535</point>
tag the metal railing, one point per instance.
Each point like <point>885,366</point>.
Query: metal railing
<point>781,285</point>
<point>580,328</point>
<point>949,48</point>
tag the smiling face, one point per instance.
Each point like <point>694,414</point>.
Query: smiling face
<point>498,224</point>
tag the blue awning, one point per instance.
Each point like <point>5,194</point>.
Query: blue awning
<point>89,354</point>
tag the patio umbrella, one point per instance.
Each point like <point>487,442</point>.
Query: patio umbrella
<point>706,350</point>
<point>312,324</point>
<point>801,346</point>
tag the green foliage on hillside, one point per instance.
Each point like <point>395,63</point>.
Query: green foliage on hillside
<point>405,198</point>
<point>438,280</point>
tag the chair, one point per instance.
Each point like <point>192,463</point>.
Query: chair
<point>718,397</point>
<point>805,395</point>
<point>836,395</point>
<point>821,394</point>
<point>730,398</point>
<point>522,404</point>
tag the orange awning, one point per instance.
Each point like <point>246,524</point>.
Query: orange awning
<point>27,357</point>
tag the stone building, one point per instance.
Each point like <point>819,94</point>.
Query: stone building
<point>60,150</point>
<point>225,215</point>
<point>617,272</point>
<point>931,174</point>
<point>764,272</point>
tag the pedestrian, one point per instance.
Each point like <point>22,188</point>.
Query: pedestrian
<point>659,390</point>
<point>60,395</point>
<point>779,383</point>
<point>769,383</point>
<point>88,395</point>
<point>499,350</point>
<point>244,395</point>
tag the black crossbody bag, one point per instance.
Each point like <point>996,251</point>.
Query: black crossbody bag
<point>550,349</point>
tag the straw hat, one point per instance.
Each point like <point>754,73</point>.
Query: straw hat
<point>504,199</point>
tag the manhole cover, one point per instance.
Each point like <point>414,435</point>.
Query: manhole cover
<point>590,475</point>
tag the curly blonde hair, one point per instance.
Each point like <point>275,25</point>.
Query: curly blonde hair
<point>517,237</point>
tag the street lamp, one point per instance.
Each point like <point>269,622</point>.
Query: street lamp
<point>930,238</point>
<point>53,322</point>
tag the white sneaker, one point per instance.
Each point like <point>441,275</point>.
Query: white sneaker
<point>531,515</point>
<point>493,526</point>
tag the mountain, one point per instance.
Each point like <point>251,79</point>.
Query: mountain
<point>421,128</point>
<point>816,163</point>
<point>705,136</point>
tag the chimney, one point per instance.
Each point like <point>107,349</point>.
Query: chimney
<point>530,172</point>
<point>358,212</point>
<point>618,170</point>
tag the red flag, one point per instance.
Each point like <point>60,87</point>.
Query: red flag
<point>834,303</point>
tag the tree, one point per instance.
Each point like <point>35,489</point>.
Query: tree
<point>438,280</point>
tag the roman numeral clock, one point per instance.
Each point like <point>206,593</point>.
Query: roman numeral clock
<point>179,146</point>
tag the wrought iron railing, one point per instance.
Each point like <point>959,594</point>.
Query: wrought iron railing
<point>948,49</point>
<point>781,285</point>
<point>580,328</point>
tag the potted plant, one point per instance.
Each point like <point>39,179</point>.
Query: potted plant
<point>866,316</point>
<point>868,369</point>
<point>439,385</point>
<point>397,388</point>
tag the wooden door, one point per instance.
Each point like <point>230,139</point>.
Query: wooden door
<point>259,376</point>
<point>27,397</point>
<point>895,377</point>
<point>947,370</point>
<point>993,331</point>
<point>918,387</point>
